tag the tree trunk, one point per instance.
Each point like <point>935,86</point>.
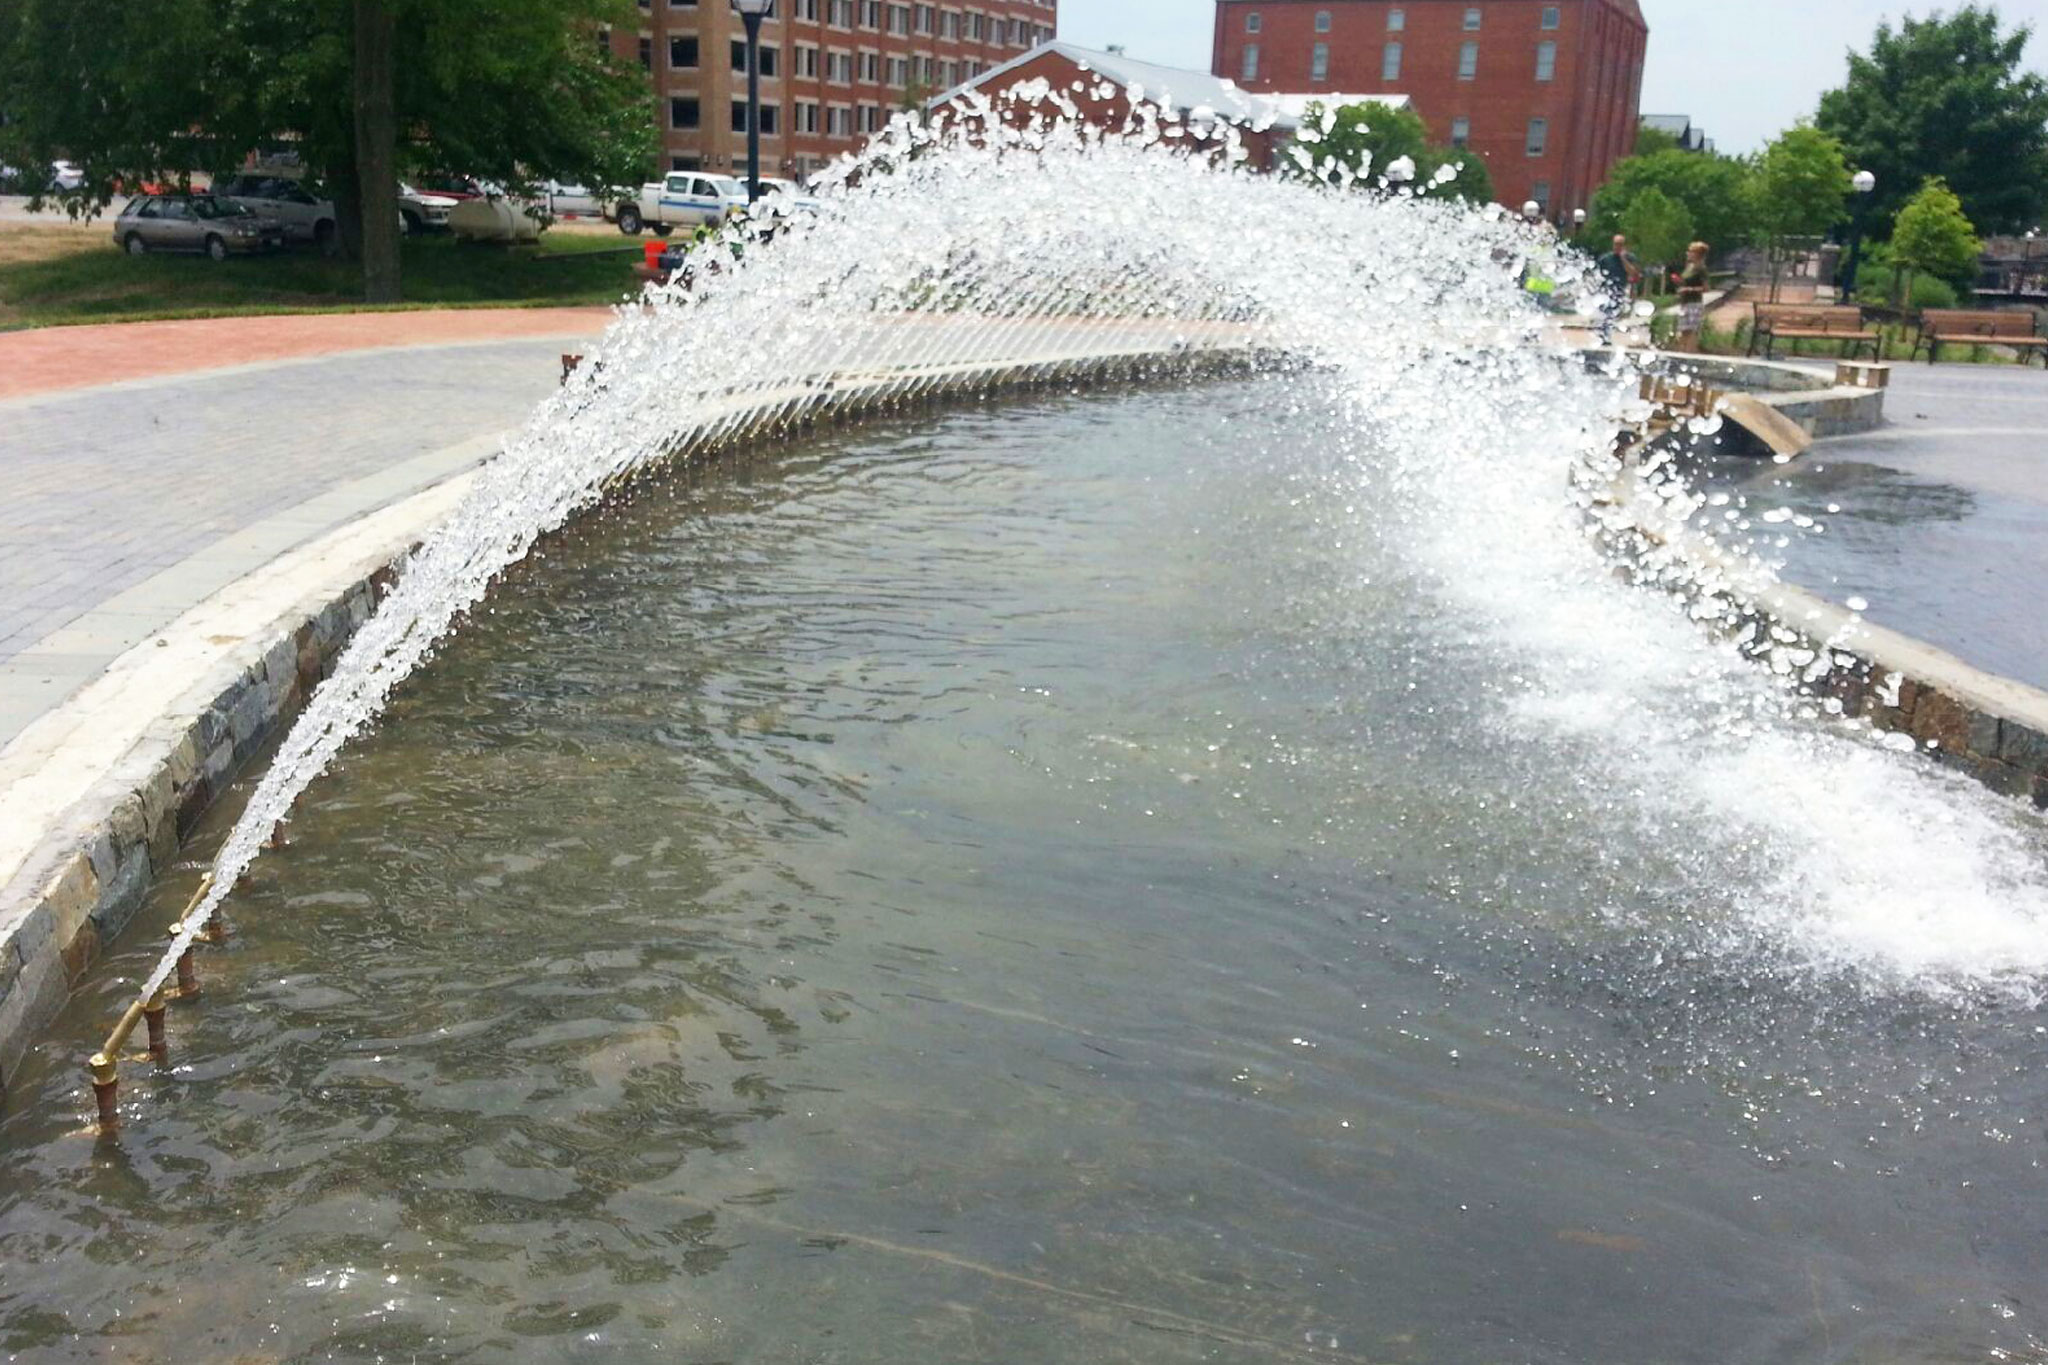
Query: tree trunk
<point>377,150</point>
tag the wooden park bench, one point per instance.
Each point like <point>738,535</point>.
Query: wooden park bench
<point>1839,323</point>
<point>1973,327</point>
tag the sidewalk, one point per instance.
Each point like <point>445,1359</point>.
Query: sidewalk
<point>1942,515</point>
<point>49,359</point>
<point>149,465</point>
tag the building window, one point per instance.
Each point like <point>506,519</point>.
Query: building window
<point>770,113</point>
<point>685,163</point>
<point>807,61</point>
<point>841,14</point>
<point>1541,194</point>
<point>1552,17</point>
<point>839,68</point>
<point>871,119</point>
<point>1546,61</point>
<point>1461,133</point>
<point>684,113</point>
<point>604,42</point>
<point>1539,135</point>
<point>839,121</point>
<point>682,54</point>
<point>1250,69</point>
<point>1251,22</point>
<point>805,10</point>
<point>949,25</point>
<point>647,54</point>
<point>871,13</point>
<point>806,117</point>
<point>1468,62</point>
<point>899,20</point>
<point>1319,63</point>
<point>1472,19</point>
<point>1390,62</point>
<point>1322,21</point>
<point>927,19</point>
<point>1397,20</point>
<point>768,59</point>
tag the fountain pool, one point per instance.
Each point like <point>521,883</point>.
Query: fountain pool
<point>1096,879</point>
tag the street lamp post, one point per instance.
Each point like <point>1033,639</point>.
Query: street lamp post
<point>1400,171</point>
<point>1863,182</point>
<point>751,14</point>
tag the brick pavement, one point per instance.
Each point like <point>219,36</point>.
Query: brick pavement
<point>52,358</point>
<point>128,503</point>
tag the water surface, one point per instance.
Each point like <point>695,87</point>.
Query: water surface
<point>1044,885</point>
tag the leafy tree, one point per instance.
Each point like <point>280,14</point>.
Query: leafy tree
<point>511,90</point>
<point>1949,96</point>
<point>1363,139</point>
<point>1650,140</point>
<point>1713,189</point>
<point>1800,188</point>
<point>1659,229</point>
<point>1933,236</point>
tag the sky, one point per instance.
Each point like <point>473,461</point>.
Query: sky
<point>1743,69</point>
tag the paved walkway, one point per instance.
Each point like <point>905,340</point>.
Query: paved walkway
<point>1943,520</point>
<point>130,502</point>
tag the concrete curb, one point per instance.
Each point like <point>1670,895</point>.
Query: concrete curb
<point>116,778</point>
<point>1991,728</point>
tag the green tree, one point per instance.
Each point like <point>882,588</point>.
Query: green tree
<point>1649,140</point>
<point>1948,96</point>
<point>1933,236</point>
<point>1659,229</point>
<point>1364,139</point>
<point>509,90</point>
<point>1800,189</point>
<point>1713,189</point>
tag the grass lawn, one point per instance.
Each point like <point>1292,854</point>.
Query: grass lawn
<point>52,276</point>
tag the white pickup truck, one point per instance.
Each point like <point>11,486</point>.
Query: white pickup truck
<point>685,199</point>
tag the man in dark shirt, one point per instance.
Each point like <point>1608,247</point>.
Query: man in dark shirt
<point>1619,271</point>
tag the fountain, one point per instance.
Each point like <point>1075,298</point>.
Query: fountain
<point>1214,869</point>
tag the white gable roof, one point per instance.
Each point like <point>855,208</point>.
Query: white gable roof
<point>1174,88</point>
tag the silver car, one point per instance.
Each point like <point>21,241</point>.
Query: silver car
<point>196,222</point>
<point>306,216</point>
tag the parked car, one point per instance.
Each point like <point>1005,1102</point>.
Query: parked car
<point>681,199</point>
<point>65,175</point>
<point>419,211</point>
<point>575,201</point>
<point>456,187</point>
<point>194,222</point>
<point>305,215</point>
<point>787,193</point>
<point>495,220</point>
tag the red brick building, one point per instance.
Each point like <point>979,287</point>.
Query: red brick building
<point>832,71</point>
<point>1547,91</point>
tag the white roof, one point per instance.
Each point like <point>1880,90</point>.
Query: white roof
<point>1176,89</point>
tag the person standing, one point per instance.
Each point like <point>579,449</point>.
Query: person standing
<point>1620,274</point>
<point>1692,297</point>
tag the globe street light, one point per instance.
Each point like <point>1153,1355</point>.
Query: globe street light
<point>1400,171</point>
<point>1863,182</point>
<point>751,14</point>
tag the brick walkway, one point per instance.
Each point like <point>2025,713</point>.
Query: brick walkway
<point>51,358</point>
<point>135,500</point>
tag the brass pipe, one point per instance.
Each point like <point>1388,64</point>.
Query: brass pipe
<point>153,1015</point>
<point>188,970</point>
<point>104,1066</point>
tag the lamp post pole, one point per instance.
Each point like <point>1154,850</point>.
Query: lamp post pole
<point>751,14</point>
<point>1863,183</point>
